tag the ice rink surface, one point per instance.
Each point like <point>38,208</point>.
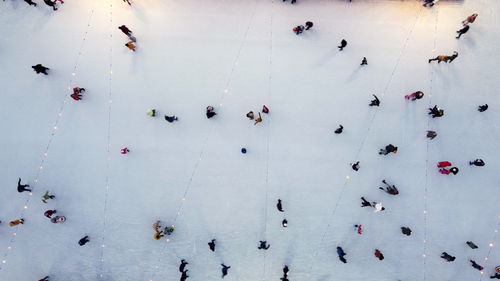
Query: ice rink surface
<point>238,55</point>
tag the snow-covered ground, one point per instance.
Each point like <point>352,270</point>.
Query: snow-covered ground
<point>237,55</point>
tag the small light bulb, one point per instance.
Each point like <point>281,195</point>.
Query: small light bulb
<point>73,74</point>
<point>491,244</point>
<point>25,207</point>
<point>183,199</point>
<point>347,177</point>
<point>55,127</point>
<point>4,261</point>
<point>425,212</point>
<point>9,247</point>
<point>423,255</point>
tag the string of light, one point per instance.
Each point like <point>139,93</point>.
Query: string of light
<point>45,154</point>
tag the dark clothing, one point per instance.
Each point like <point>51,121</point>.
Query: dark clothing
<point>379,255</point>
<point>341,254</point>
<point>51,4</point>
<point>364,61</point>
<point>263,245</point>
<point>308,25</point>
<point>471,244</point>
<point>49,213</point>
<point>210,114</point>
<point>284,223</point>
<point>476,266</point>
<point>339,129</point>
<point>211,245</point>
<point>171,119</point>
<point>183,265</point>
<point>40,69</point>
<point>436,112</point>
<point>497,276</point>
<point>285,270</point>
<point>477,162</point>
<point>431,134</point>
<point>224,269</point>
<point>184,275</point>
<point>447,257</point>
<point>462,31</point>
<point>343,44</point>
<point>406,230</point>
<point>375,102</point>
<point>22,187</point>
<point>482,108</point>
<point>365,203</point>
<point>31,3</point>
<point>279,206</point>
<point>355,166</point>
<point>125,30</point>
<point>83,241</point>
<point>388,149</point>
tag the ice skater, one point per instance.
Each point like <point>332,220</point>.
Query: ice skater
<point>476,266</point>
<point>436,112</point>
<point>388,149</point>
<point>263,245</point>
<point>364,61</point>
<point>22,187</point>
<point>309,24</point>
<point>47,196</point>
<point>293,1</point>
<point>495,276</point>
<point>77,93</point>
<point>470,19</point>
<point>171,119</point>
<point>341,254</point>
<point>298,29</point>
<point>447,257</point>
<point>183,265</point>
<point>284,223</point>
<point>482,108</point>
<point>128,2</point>
<point>431,134</point>
<point>16,222</point>
<point>442,165</point>
<point>477,162</point>
<point>224,269</point>
<point>46,278</point>
<point>265,109</point>
<point>462,31</point>
<point>378,207</point>
<point>447,59</point>
<point>31,3</point>
<point>358,228</point>
<point>471,245</point>
<point>415,96</point>
<point>285,270</point>
<point>355,166</point>
<point>184,275</point>
<point>125,30</point>
<point>339,129</point>
<point>375,102</point>
<point>51,4</point>
<point>49,213</point>
<point>40,69</point>
<point>211,245</point>
<point>210,112</point>
<point>343,44</point>
<point>84,240</point>
<point>151,112</point>
<point>258,120</point>
<point>430,3</point>
<point>279,206</point>
<point>130,45</point>
<point>250,115</point>
<point>406,230</point>
<point>392,190</point>
<point>378,254</point>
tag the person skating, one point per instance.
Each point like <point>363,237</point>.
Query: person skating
<point>429,3</point>
<point>210,112</point>
<point>77,93</point>
<point>58,219</point>
<point>482,108</point>
<point>470,19</point>
<point>445,58</point>
<point>40,69</point>
<point>471,245</point>
<point>31,3</point>
<point>130,45</point>
<point>285,270</point>
<point>151,112</point>
<point>309,24</point>
<point>16,222</point>
<point>184,275</point>
<point>365,203</point>
<point>125,30</point>
<point>378,254</point>
<point>476,266</point>
<point>171,119</point>
<point>358,228</point>
<point>364,61</point>
<point>258,120</point>
<point>343,44</point>
<point>211,245</point>
<point>388,149</point>
<point>341,254</point>
<point>124,150</point>
<point>47,196</point>
<point>157,225</point>
<point>46,278</point>
<point>158,235</point>
<point>415,96</point>
<point>436,111</point>
<point>298,29</point>
<point>49,213</point>
<point>406,230</point>
<point>447,257</point>
<point>477,162</point>
<point>462,31</point>
<point>183,264</point>
<point>375,102</point>
<point>169,230</point>
<point>250,115</point>
<point>284,223</point>
<point>279,206</point>
<point>431,134</point>
<point>263,245</point>
<point>224,269</point>
<point>453,170</point>
<point>265,109</point>
<point>22,187</point>
<point>51,4</point>
<point>355,166</point>
<point>84,240</point>
<point>389,189</point>
<point>339,129</point>
<point>128,2</point>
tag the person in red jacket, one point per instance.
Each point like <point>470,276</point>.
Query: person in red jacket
<point>77,93</point>
<point>49,213</point>
<point>379,254</point>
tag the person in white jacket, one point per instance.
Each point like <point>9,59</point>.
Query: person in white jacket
<point>378,207</point>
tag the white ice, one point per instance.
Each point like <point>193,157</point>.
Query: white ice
<point>237,55</point>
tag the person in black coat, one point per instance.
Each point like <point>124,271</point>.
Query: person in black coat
<point>462,31</point>
<point>224,269</point>
<point>343,44</point>
<point>84,240</point>
<point>171,119</point>
<point>477,162</point>
<point>210,112</point>
<point>482,108</point>
<point>285,270</point>
<point>355,166</point>
<point>364,61</point>
<point>447,257</point>
<point>51,4</point>
<point>496,276</point>
<point>22,187</point>
<point>375,102</point>
<point>184,275</point>
<point>339,129</point>
<point>31,3</point>
<point>263,245</point>
<point>182,265</point>
<point>341,254</point>
<point>309,24</point>
<point>40,69</point>
<point>365,203</point>
<point>406,230</point>
<point>211,245</point>
<point>279,206</point>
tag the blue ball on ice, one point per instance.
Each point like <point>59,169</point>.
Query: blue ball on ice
<point>243,150</point>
